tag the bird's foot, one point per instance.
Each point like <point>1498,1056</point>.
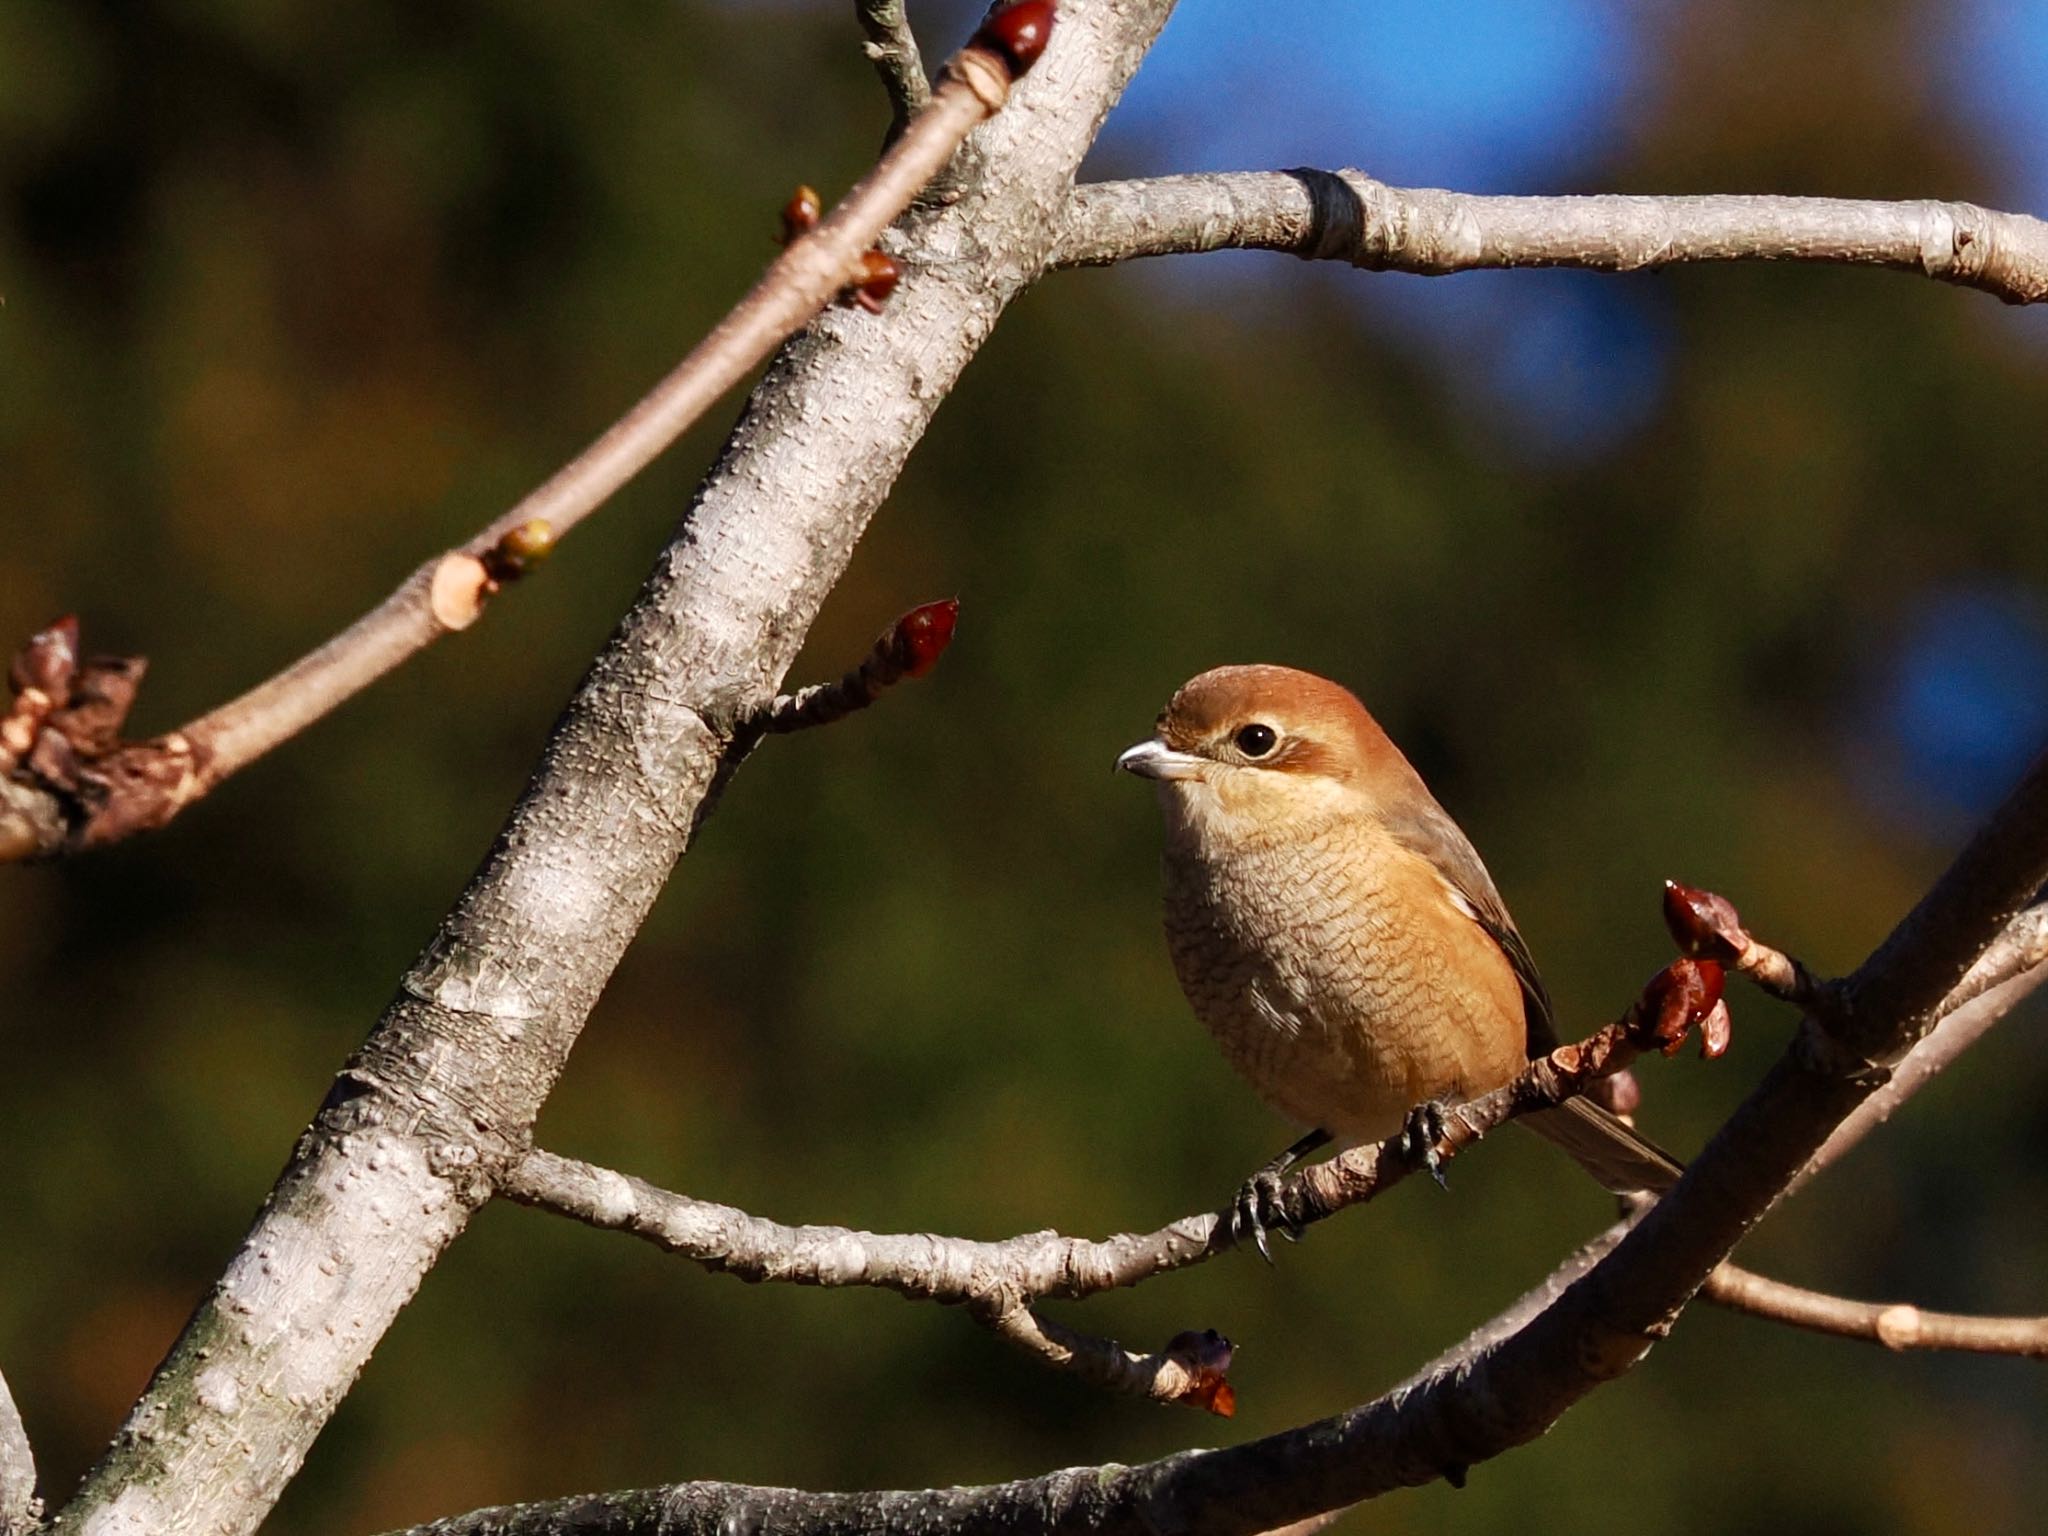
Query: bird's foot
<point>1257,1207</point>
<point>1256,1210</point>
<point>1423,1129</point>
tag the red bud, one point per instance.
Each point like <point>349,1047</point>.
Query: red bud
<point>1678,997</point>
<point>875,282</point>
<point>800,214</point>
<point>1703,925</point>
<point>1018,32</point>
<point>923,634</point>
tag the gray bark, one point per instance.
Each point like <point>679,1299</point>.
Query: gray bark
<point>443,1095</point>
<point>1347,216</point>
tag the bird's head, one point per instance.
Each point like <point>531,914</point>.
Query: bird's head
<point>1254,752</point>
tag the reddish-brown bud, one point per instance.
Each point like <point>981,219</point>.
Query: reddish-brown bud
<point>1678,997</point>
<point>875,281</point>
<point>923,634</point>
<point>1703,925</point>
<point>800,214</point>
<point>1018,32</point>
<point>48,661</point>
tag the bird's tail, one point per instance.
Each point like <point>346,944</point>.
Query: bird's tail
<point>1607,1147</point>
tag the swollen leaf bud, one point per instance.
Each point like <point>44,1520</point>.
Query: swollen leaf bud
<point>923,634</point>
<point>875,281</point>
<point>800,214</point>
<point>1018,32</point>
<point>1703,925</point>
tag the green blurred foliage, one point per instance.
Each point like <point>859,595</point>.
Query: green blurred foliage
<point>294,297</point>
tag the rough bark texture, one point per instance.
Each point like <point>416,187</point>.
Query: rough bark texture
<point>18,1505</point>
<point>444,1093</point>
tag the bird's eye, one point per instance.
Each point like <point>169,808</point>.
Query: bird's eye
<point>1255,740</point>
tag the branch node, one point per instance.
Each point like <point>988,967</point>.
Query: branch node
<point>984,74</point>
<point>461,583</point>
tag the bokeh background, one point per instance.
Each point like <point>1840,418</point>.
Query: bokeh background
<point>1735,575</point>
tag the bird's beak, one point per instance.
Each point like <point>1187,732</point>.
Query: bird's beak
<point>1156,760</point>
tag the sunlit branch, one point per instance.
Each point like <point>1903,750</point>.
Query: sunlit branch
<point>1345,215</point>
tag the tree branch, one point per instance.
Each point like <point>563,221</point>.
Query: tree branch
<point>2009,972</point>
<point>1345,215</point>
<point>1037,1266</point>
<point>20,1510</point>
<point>1588,1324</point>
<point>142,785</point>
<point>443,1095</point>
<point>1897,995</point>
<point>892,48</point>
<point>1896,1325</point>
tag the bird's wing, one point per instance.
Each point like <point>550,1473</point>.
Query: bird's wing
<point>1613,1151</point>
<point>1426,828</point>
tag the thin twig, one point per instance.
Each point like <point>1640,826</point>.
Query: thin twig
<point>892,48</point>
<point>1896,1325</point>
<point>1176,1374</point>
<point>910,647</point>
<point>20,1510</point>
<point>2004,978</point>
<point>1345,215</point>
<point>448,592</point>
<point>1001,1281</point>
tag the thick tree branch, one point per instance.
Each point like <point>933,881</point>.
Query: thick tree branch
<point>1897,995</point>
<point>1485,1397</point>
<point>20,1509</point>
<point>1345,215</point>
<point>443,1095</point>
<point>2009,972</point>
<point>142,785</point>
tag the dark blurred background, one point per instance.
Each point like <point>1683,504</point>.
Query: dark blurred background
<point>1734,575</point>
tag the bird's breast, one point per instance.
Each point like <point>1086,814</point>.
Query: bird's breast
<point>1338,977</point>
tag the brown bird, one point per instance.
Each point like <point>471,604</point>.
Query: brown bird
<point>1337,933</point>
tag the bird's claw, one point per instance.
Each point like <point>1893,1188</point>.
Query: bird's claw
<point>1423,1129</point>
<point>1257,1209</point>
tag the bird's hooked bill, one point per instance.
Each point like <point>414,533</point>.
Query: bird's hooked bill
<point>1154,759</point>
